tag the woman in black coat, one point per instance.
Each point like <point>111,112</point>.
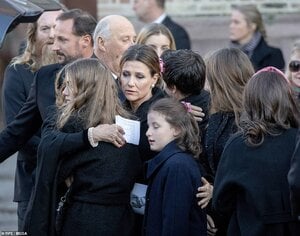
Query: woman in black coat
<point>100,178</point>
<point>247,32</point>
<point>251,187</point>
<point>141,84</point>
<point>227,71</point>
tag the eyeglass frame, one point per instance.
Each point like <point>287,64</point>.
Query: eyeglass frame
<point>294,66</point>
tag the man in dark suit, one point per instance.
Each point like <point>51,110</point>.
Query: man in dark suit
<point>149,11</point>
<point>18,78</point>
<point>72,40</point>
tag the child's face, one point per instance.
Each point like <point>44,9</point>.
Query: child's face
<point>69,92</point>
<point>159,132</point>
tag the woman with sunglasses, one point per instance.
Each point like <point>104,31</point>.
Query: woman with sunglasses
<point>293,69</point>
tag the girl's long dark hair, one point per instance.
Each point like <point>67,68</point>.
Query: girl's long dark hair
<point>177,116</point>
<point>269,107</point>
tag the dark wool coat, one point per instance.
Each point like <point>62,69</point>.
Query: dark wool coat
<point>33,113</point>
<point>100,193</point>
<point>251,186</point>
<point>181,37</point>
<point>171,204</point>
<point>30,118</point>
<point>141,114</point>
<point>201,100</point>
<point>265,55</point>
<point>221,126</point>
<point>144,147</point>
<point>294,179</point>
<point>103,179</point>
<point>16,86</point>
<point>41,211</point>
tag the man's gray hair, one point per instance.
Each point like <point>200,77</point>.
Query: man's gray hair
<point>102,30</point>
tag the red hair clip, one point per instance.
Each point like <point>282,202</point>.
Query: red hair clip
<point>161,65</point>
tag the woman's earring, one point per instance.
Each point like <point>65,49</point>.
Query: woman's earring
<point>153,85</point>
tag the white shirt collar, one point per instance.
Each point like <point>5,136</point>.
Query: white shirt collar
<point>160,19</point>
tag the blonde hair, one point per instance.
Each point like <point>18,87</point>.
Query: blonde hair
<point>155,29</point>
<point>96,98</point>
<point>252,15</point>
<point>29,56</point>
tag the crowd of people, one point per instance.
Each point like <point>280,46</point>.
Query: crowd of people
<point>218,150</point>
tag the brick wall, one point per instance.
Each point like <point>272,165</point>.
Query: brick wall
<point>200,7</point>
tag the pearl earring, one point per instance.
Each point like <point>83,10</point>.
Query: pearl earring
<point>152,85</point>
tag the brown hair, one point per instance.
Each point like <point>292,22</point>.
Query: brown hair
<point>146,55</point>
<point>96,100</point>
<point>269,107</point>
<point>177,116</point>
<point>83,22</point>
<point>227,72</point>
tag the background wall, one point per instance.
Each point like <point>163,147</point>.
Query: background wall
<point>202,7</point>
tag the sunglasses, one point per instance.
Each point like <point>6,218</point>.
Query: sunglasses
<point>294,66</point>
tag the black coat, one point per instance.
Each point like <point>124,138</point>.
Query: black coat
<point>294,179</point>
<point>251,186</point>
<point>221,126</point>
<point>40,215</point>
<point>171,207</point>
<point>16,86</point>
<point>34,111</point>
<point>265,55</point>
<point>141,114</point>
<point>26,124</point>
<point>201,100</point>
<point>180,35</point>
<point>100,193</point>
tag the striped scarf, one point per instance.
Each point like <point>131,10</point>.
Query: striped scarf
<point>249,47</point>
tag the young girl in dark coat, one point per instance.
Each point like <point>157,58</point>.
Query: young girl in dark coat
<point>173,174</point>
<point>227,71</point>
<point>251,186</point>
<point>101,177</point>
